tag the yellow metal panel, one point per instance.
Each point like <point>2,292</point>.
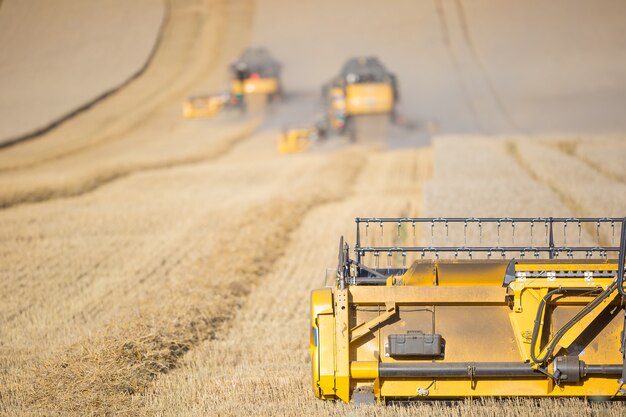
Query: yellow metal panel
<point>326,361</point>
<point>428,295</point>
<point>364,370</point>
<point>468,272</point>
<point>254,86</point>
<point>322,342</point>
<point>260,86</point>
<point>202,107</point>
<point>566,265</point>
<point>510,387</point>
<point>369,98</point>
<point>295,141</point>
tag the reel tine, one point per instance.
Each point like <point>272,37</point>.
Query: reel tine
<point>513,232</point>
<point>432,233</point>
<point>613,232</point>
<point>498,232</point>
<point>465,233</point>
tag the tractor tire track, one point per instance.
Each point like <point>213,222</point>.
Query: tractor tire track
<point>487,108</point>
<point>571,148</point>
<point>445,35</point>
<point>465,29</point>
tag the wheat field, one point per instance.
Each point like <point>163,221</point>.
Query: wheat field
<point>151,266</point>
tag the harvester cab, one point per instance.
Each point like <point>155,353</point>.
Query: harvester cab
<point>255,72</point>
<point>433,308</point>
<point>363,89</point>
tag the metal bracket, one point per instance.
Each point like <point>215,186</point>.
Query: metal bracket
<point>364,328</point>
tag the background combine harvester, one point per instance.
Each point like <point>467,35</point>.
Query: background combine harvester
<point>255,80</point>
<point>363,96</point>
<point>359,102</point>
<point>256,74</point>
<point>539,312</point>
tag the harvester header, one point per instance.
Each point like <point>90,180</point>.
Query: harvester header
<point>463,307</point>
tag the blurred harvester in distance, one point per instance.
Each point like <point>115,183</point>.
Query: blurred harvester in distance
<point>255,79</point>
<point>364,88</point>
<point>359,102</point>
<point>255,72</point>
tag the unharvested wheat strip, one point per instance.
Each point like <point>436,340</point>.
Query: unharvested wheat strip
<point>477,177</point>
<point>590,192</point>
<point>606,155</point>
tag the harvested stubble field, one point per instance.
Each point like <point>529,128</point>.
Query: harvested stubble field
<point>184,291</point>
<point>150,266</point>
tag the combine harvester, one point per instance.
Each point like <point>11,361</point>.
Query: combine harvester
<point>255,73</point>
<point>363,92</point>
<point>255,79</point>
<point>358,102</point>
<point>539,312</point>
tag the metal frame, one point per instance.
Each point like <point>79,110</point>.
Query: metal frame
<point>551,249</point>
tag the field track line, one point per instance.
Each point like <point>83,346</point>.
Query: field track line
<point>572,205</point>
<point>93,102</point>
<point>445,35</point>
<point>39,196</point>
<point>570,148</point>
<point>469,41</point>
<point>159,97</point>
<point>513,151</point>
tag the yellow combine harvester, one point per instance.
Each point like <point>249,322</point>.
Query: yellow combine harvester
<point>544,319</point>
<point>363,88</point>
<point>255,72</point>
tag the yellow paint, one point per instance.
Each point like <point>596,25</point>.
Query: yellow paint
<point>481,320</point>
<point>295,140</point>
<point>203,107</point>
<point>369,98</point>
<point>254,86</point>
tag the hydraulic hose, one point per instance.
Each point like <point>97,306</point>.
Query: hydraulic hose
<point>620,261</point>
<point>559,334</point>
